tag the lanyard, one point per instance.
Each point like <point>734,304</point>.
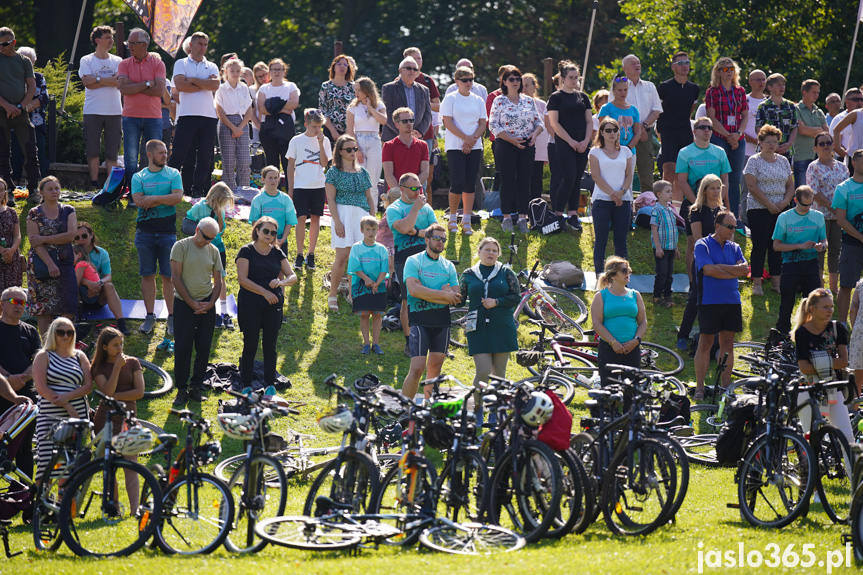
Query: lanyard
<point>729,97</point>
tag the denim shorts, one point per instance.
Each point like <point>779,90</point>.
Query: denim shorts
<point>153,248</point>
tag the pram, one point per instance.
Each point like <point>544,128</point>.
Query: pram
<point>15,484</point>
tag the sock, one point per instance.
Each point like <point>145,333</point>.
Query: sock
<point>453,217</point>
<point>223,305</point>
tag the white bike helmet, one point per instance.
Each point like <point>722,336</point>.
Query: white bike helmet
<point>538,409</point>
<point>237,425</point>
<point>337,420</point>
<point>133,441</point>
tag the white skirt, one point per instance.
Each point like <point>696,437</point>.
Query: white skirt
<point>350,217</point>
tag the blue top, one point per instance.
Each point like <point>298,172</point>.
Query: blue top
<point>372,261</point>
<point>849,197</point>
<point>697,162</point>
<point>626,118</point>
<point>203,210</point>
<point>792,228</point>
<point>279,207</point>
<point>408,245</point>
<point>620,314</point>
<point>713,290</point>
<point>160,219</point>
<point>434,274</point>
<point>101,261</point>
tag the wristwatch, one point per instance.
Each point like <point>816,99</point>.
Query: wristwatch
<point>638,337</point>
<point>98,79</point>
<point>147,83</point>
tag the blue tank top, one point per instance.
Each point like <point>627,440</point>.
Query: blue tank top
<point>619,314</point>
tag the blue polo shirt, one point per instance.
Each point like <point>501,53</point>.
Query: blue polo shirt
<point>432,273</point>
<point>792,228</point>
<point>849,197</point>
<point>713,290</point>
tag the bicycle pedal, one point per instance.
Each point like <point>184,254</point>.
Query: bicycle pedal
<point>732,505</point>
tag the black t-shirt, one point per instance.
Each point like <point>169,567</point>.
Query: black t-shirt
<point>262,270</point>
<point>677,100</point>
<point>571,110</point>
<point>807,342</point>
<point>20,344</point>
<point>706,216</point>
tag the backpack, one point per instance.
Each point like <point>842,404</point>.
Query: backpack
<point>563,274</point>
<point>739,430</point>
<point>113,188</point>
<point>555,432</point>
<point>542,218</point>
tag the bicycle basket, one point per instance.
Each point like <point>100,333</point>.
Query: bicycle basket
<point>207,453</point>
<point>237,425</point>
<point>439,435</point>
<point>133,441</point>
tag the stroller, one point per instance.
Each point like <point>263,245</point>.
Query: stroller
<point>15,485</point>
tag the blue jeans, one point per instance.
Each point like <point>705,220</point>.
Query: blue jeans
<point>133,128</point>
<point>735,158</point>
<point>606,215</point>
<point>800,172</point>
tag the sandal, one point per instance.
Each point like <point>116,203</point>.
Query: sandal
<point>698,395</point>
<point>466,228</point>
<point>333,303</point>
<point>453,226</point>
<point>757,290</point>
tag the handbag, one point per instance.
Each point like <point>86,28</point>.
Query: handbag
<point>40,268</point>
<point>563,274</point>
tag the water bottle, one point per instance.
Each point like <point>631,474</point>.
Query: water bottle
<point>721,409</point>
<point>860,426</point>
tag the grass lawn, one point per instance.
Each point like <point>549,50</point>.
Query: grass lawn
<point>316,343</point>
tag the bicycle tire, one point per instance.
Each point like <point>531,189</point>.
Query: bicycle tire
<point>753,475</point>
<point>457,335</point>
<point>741,367</point>
<point>308,533</point>
<point>700,447</point>
<point>351,478</point>
<point>471,539</point>
<point>655,474</point>
<point>681,461</point>
<point>462,487</point>
<point>203,504</point>
<point>856,519</point>
<point>46,503</point>
<point>254,507</point>
<point>534,481</point>
<point>574,501</point>
<point>582,444</point>
<point>387,501</point>
<point>84,530</point>
<point>567,313</point>
<point>575,365</point>
<point>225,469</point>
<point>655,357</point>
<point>561,386</point>
<point>159,384</point>
<point>833,455</point>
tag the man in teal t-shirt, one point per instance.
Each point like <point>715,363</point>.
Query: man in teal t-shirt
<point>432,285</point>
<point>848,206</point>
<point>800,234</point>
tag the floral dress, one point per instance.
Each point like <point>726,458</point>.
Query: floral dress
<point>11,273</point>
<point>53,296</point>
<point>333,101</point>
<point>824,179</point>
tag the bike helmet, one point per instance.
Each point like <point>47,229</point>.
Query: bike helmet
<point>391,434</point>
<point>367,383</point>
<point>336,420</point>
<point>237,425</point>
<point>133,441</point>
<point>538,409</point>
<point>446,408</point>
<point>391,323</point>
<point>207,453</point>
<point>439,435</point>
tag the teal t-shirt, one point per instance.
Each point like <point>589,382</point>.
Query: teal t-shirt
<point>406,246</point>
<point>371,260</point>
<point>279,207</point>
<point>620,314</point>
<point>849,197</point>
<point>160,219</point>
<point>434,274</point>
<point>200,211</point>
<point>792,228</point>
<point>697,162</point>
<point>626,118</point>
<point>101,261</point>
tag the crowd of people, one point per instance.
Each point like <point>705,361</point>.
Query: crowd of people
<point>791,172</point>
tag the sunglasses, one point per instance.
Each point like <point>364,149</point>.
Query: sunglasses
<point>6,43</point>
<point>268,232</point>
<point>681,63</point>
<point>65,332</point>
<point>465,80</point>
<point>412,188</point>
<point>437,238</point>
<point>825,143</point>
<point>620,78</point>
<point>857,99</point>
<point>626,272</point>
<point>411,69</point>
<point>16,301</point>
<point>729,226</point>
<point>727,69</point>
<point>350,150</point>
<point>406,121</point>
<point>611,130</point>
<point>704,127</point>
<point>205,236</point>
<point>514,79</point>
<point>84,235</point>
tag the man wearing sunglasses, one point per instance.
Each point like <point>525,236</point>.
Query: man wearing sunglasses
<point>196,269</point>
<point>679,98</point>
<point>406,92</point>
<point>17,90</point>
<point>406,153</point>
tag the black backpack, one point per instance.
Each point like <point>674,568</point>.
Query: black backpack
<point>542,218</point>
<point>739,430</point>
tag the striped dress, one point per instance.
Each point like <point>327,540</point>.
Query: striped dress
<point>64,375</point>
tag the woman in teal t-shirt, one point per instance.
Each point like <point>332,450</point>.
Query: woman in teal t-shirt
<point>618,317</point>
<point>623,113</point>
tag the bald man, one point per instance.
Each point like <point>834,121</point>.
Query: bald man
<point>196,269</point>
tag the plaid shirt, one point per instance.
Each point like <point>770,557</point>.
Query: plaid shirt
<point>728,103</point>
<point>666,227</point>
<point>783,116</point>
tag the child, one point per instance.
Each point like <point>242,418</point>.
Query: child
<point>307,155</point>
<point>235,111</point>
<point>663,239</point>
<point>85,271</point>
<point>368,265</point>
<point>276,204</point>
<point>218,199</point>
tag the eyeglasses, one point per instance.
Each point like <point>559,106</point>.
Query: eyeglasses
<point>137,43</point>
<point>205,236</point>
<point>437,238</point>
<point>411,69</point>
<point>465,80</point>
<point>350,150</point>
<point>277,69</point>
<point>86,235</point>
<point>626,272</point>
<point>611,130</point>
<point>269,232</point>
<point>411,188</point>
<point>406,121</point>
<point>825,143</point>
<point>704,127</point>
<point>727,69</point>
<point>681,63</point>
<point>6,43</point>
<point>729,226</point>
<point>16,301</point>
<point>64,332</point>
<point>514,79</point>
<point>804,205</point>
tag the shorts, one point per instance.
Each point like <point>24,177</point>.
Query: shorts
<point>224,257</point>
<point>88,301</point>
<point>850,265</point>
<point>713,318</point>
<point>399,275</point>
<point>425,340</point>
<point>154,248</point>
<point>309,202</point>
<point>350,217</point>
<point>94,125</point>
<point>674,140</point>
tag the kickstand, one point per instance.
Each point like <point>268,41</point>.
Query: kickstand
<point>4,533</point>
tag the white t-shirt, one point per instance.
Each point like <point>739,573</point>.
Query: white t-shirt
<point>363,121</point>
<point>195,103</point>
<point>846,133</point>
<point>234,100</point>
<point>306,152</point>
<point>612,171</point>
<point>542,139</point>
<point>751,149</point>
<point>466,112</point>
<point>104,101</point>
<point>284,92</point>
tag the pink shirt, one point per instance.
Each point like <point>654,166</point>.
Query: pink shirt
<point>141,105</point>
<point>89,271</point>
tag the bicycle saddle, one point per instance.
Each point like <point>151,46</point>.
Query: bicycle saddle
<point>167,439</point>
<point>564,339</point>
<point>598,394</point>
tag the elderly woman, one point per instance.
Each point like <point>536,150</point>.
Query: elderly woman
<point>779,112</point>
<point>276,102</point>
<point>51,281</point>
<point>464,117</point>
<point>823,175</point>
<point>349,195</point>
<point>516,124</point>
<point>10,240</point>
<point>262,271</point>
<point>770,181</point>
<point>727,107</point>
<point>335,96</point>
<point>365,116</point>
<point>101,262</point>
<point>38,110</point>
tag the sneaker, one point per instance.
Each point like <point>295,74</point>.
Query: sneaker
<point>310,262</point>
<point>522,225</point>
<point>165,345</point>
<point>667,302</point>
<point>121,325</point>
<point>506,225</point>
<point>377,349</point>
<point>195,394</point>
<point>227,322</point>
<point>298,263</point>
<point>219,323</point>
<point>149,323</point>
<point>682,344</point>
<point>573,222</point>
<point>182,397</point>
<point>170,329</point>
<point>366,349</point>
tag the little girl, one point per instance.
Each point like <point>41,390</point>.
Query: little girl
<point>85,271</point>
<point>235,111</point>
<point>368,264</point>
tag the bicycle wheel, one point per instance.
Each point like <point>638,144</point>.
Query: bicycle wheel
<point>857,523</point>
<point>157,381</point>
<point>638,488</point>
<point>350,479</point>
<point>681,461</point>
<point>226,469</point>
<point>255,499</point>
<point>457,335</point>
<point>567,313</point>
<point>471,539</point>
<point>310,533</point>
<point>526,489</point>
<point>833,454</point>
<point>585,450</point>
<point>462,487</point>
<point>109,521</point>
<point>560,385</point>
<point>46,504</point>
<point>741,367</point>
<point>197,514</point>
<point>655,357</point>
<point>776,479</point>
<point>392,498</point>
<point>573,500</point>
<point>700,447</point>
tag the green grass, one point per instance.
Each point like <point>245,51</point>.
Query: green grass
<point>315,343</point>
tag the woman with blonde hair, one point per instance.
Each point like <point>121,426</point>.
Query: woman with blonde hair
<point>336,95</point>
<point>234,109</point>
<point>276,102</point>
<point>365,116</point>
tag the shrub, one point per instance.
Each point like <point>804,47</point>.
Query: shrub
<point>70,133</point>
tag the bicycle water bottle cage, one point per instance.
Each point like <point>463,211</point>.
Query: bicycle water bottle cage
<point>565,339</point>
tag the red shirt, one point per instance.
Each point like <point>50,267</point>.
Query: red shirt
<point>729,106</point>
<point>142,105</point>
<point>488,103</point>
<point>405,159</point>
<point>433,93</point>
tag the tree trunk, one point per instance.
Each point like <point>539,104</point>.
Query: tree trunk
<point>56,22</point>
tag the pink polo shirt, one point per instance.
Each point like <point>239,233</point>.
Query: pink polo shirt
<point>141,105</point>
